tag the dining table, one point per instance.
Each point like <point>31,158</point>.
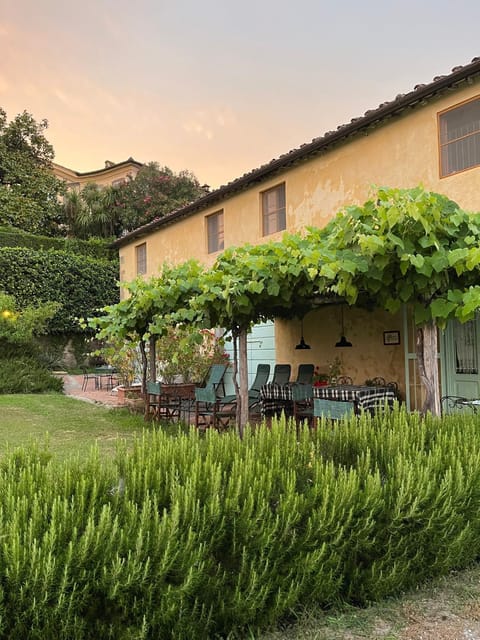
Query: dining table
<point>276,398</point>
<point>104,373</point>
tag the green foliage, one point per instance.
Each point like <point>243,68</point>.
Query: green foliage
<point>19,327</point>
<point>94,247</point>
<point>142,548</point>
<point>405,246</point>
<point>26,375</point>
<point>188,352</point>
<point>150,305</point>
<point>28,189</point>
<point>124,356</point>
<point>109,211</point>
<point>154,193</point>
<point>93,212</point>
<point>79,284</point>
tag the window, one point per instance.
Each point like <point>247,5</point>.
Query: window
<point>141,255</point>
<point>273,210</point>
<point>460,138</point>
<point>465,340</point>
<point>215,232</point>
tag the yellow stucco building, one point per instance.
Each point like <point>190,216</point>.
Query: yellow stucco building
<point>112,174</point>
<point>430,136</point>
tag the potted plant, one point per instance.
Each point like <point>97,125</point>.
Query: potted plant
<point>319,379</point>
<point>335,369</point>
<point>185,354</point>
<point>124,357</point>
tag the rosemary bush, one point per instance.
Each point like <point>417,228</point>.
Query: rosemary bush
<point>193,537</point>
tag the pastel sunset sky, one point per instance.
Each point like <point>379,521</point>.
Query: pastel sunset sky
<point>216,86</point>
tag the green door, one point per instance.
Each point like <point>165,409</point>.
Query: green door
<point>461,359</point>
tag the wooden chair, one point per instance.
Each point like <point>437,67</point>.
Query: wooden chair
<point>378,381</point>
<point>345,380</point>
<point>208,412</point>
<point>152,400</point>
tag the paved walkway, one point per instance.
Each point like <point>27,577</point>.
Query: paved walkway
<point>72,386</point>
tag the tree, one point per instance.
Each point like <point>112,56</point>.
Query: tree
<point>149,310</point>
<point>28,189</point>
<point>92,213</point>
<point>154,193</point>
<point>406,246</point>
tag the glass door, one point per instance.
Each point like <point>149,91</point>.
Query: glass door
<point>461,359</point>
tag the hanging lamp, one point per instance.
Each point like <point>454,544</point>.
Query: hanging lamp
<point>302,344</point>
<point>343,342</point>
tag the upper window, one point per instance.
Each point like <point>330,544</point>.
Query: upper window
<point>273,210</point>
<point>215,232</point>
<point>141,255</point>
<point>460,138</point>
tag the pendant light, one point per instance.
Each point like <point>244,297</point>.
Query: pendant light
<point>343,342</point>
<point>302,344</point>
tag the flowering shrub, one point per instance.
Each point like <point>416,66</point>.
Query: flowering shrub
<point>319,379</point>
<point>125,358</point>
<point>186,354</point>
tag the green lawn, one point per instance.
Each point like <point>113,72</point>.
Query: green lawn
<point>69,426</point>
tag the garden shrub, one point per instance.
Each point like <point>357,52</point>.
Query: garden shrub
<point>26,375</point>
<point>80,284</point>
<point>193,537</point>
<point>96,248</point>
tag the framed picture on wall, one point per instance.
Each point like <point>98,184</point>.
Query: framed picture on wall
<point>391,337</point>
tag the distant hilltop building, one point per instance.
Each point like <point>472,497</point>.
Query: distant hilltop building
<point>112,174</point>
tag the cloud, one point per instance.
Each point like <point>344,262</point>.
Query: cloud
<point>205,122</point>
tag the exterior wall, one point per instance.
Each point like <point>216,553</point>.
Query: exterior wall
<point>102,177</point>
<point>401,152</point>
<point>367,358</point>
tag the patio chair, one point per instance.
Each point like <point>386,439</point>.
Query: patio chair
<point>378,381</point>
<point>208,412</point>
<point>302,396</point>
<point>281,374</point>
<point>261,378</point>
<point>152,400</point>
<point>394,386</point>
<point>87,376</point>
<point>215,377</point>
<point>305,374</point>
<point>452,404</point>
<point>345,380</point>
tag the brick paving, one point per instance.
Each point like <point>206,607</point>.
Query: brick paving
<point>72,386</point>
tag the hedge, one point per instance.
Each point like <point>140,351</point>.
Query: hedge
<point>79,283</point>
<point>94,248</point>
<point>199,538</point>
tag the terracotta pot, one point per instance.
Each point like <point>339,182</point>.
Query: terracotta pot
<point>129,393</point>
